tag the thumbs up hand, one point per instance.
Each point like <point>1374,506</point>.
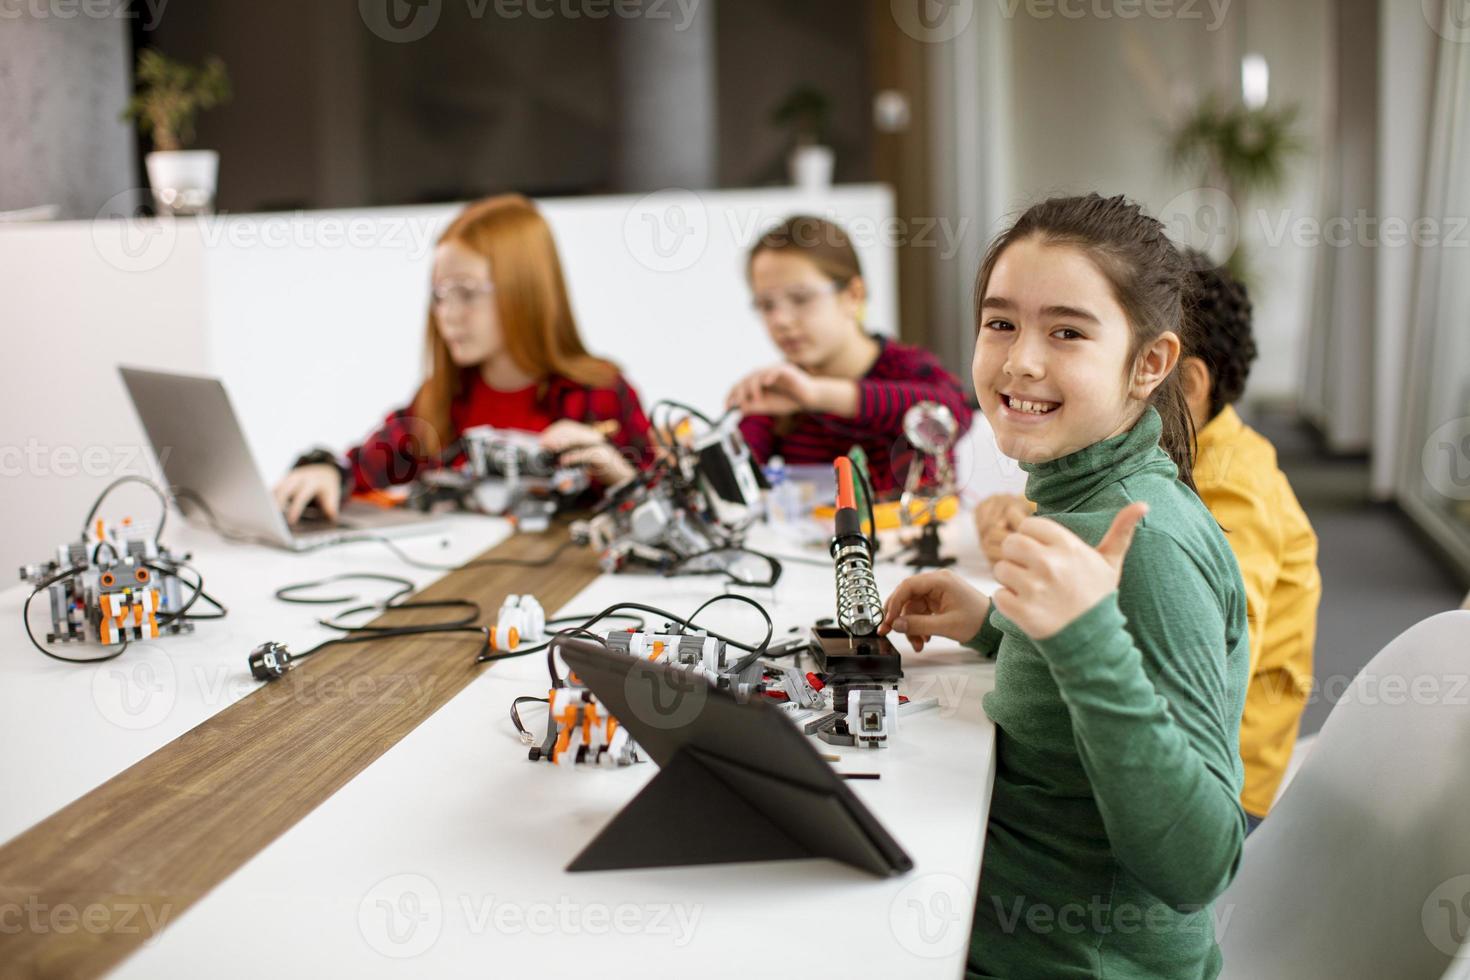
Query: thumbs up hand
<point>1049,576</point>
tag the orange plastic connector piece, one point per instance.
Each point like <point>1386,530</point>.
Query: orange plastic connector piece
<point>564,737</point>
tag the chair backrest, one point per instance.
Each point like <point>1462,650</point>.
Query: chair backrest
<point>1362,868</point>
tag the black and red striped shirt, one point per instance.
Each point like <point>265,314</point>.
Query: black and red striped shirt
<point>901,377</point>
<point>401,448</point>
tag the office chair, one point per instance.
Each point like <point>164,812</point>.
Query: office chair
<point>1362,869</point>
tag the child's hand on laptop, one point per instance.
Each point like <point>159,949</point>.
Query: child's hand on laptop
<point>320,482</point>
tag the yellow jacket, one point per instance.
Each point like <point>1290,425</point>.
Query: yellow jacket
<point>1276,548</point>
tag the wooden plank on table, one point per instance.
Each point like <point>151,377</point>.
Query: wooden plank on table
<point>96,879</point>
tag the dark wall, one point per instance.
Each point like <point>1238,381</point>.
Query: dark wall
<point>327,113</point>
<point>765,49</point>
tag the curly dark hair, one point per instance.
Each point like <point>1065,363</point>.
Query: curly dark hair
<point>1217,328</point>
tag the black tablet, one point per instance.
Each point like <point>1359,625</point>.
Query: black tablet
<point>737,782</point>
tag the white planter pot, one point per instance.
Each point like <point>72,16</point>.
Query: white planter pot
<point>811,167</point>
<point>183,181</point>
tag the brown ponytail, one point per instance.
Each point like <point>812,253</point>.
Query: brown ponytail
<point>1148,278</point>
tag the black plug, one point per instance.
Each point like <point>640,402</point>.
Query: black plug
<point>269,661</point>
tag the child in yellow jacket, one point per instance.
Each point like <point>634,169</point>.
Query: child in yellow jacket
<point>1237,477</point>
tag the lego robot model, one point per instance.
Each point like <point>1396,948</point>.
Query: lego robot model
<point>579,730</point>
<point>114,586</point>
<point>931,429</point>
<point>699,498</point>
<point>861,669</point>
<point>505,472</point>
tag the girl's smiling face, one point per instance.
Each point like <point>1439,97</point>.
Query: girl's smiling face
<point>1052,365</point>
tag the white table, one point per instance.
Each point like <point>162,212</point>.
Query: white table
<point>446,855</point>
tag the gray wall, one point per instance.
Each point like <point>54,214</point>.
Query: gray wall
<point>666,76</point>
<point>1090,99</point>
<point>65,82</point>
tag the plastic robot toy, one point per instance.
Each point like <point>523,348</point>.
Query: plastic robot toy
<point>121,583</point>
<point>504,472</point>
<point>579,729</point>
<point>699,498</point>
<point>521,620</point>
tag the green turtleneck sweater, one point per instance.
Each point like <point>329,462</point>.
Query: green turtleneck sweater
<point>1115,820</point>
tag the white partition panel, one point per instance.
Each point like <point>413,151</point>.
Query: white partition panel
<point>316,321</point>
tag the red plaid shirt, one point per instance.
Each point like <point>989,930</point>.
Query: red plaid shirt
<point>901,377</point>
<point>400,449</point>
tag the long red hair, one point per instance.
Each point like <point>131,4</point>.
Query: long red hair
<point>535,314</point>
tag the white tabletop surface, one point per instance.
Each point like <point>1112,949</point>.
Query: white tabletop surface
<point>445,856</point>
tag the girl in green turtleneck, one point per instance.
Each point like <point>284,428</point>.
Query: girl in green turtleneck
<point>1119,627</point>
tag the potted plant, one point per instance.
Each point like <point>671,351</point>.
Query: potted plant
<point>1242,150</point>
<point>169,96</point>
<point>805,112</point>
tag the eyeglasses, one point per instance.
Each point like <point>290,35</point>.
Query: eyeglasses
<point>461,292</point>
<point>799,299</point>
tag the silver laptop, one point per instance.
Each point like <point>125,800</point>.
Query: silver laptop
<point>202,450</point>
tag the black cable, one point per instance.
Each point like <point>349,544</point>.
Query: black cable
<point>472,614</point>
<point>550,647</point>
<point>735,597</point>
<point>515,713</point>
<point>407,559</point>
<point>675,618</point>
<point>672,403</point>
<point>481,631</point>
<point>221,614</point>
<point>357,633</point>
<point>25,618</point>
<point>771,561</point>
<point>609,612</point>
<point>157,490</point>
<point>286,592</point>
<point>199,593</point>
<point>662,407</point>
<point>862,472</point>
<point>486,657</point>
<point>197,585</point>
